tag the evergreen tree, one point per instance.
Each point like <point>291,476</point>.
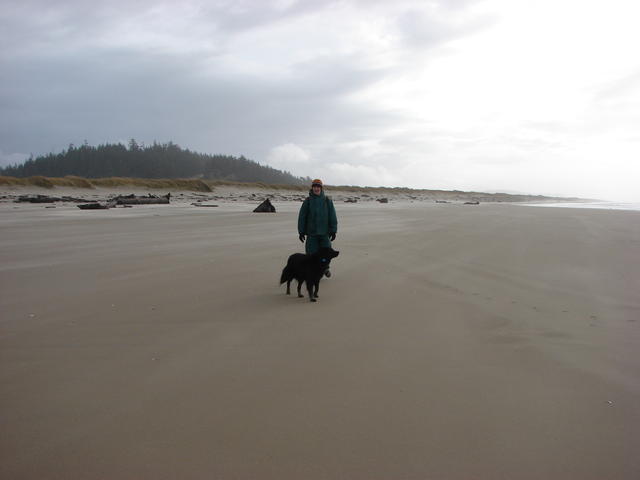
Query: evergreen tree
<point>158,160</point>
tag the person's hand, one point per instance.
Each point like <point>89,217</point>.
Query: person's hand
<point>301,237</point>
<point>333,236</point>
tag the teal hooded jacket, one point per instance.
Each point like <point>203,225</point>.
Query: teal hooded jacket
<point>317,216</point>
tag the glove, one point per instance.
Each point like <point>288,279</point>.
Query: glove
<point>301,237</point>
<point>332,236</point>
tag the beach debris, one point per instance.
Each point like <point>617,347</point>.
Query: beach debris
<point>37,199</point>
<point>265,207</point>
<point>132,199</point>
<point>351,200</point>
<point>47,199</point>
<point>475,202</point>
<point>197,204</point>
<point>96,206</point>
<point>382,200</point>
<point>442,201</point>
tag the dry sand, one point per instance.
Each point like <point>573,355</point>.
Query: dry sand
<point>453,342</point>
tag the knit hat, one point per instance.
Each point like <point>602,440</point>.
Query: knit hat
<point>316,181</point>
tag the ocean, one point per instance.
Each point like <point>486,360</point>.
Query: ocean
<point>598,205</point>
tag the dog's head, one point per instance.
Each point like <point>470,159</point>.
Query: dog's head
<point>325,254</point>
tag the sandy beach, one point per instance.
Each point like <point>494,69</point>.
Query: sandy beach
<point>453,341</point>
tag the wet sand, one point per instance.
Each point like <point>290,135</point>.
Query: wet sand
<point>452,342</point>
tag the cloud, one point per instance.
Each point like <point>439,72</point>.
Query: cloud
<point>7,159</point>
<point>289,157</point>
<point>354,174</point>
<point>440,94</point>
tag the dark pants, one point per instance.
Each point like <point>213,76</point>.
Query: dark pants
<point>314,242</point>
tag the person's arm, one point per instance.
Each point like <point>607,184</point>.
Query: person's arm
<point>302,218</point>
<point>333,219</point>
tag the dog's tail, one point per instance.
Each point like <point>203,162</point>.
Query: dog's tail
<point>286,275</point>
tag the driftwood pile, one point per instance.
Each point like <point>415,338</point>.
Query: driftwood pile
<point>47,199</point>
<point>148,200</point>
<point>127,201</point>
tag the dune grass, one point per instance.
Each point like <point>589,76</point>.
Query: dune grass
<point>80,182</point>
<point>153,183</point>
<point>198,185</point>
<point>42,182</point>
<point>269,186</point>
<point>205,185</point>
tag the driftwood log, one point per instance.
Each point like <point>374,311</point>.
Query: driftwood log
<point>48,199</point>
<point>149,200</point>
<point>94,206</point>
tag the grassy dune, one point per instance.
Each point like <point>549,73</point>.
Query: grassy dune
<point>79,182</point>
<point>203,185</point>
<point>200,185</point>
<point>197,185</point>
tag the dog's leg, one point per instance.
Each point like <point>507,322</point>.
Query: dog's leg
<point>310,290</point>
<point>315,293</point>
<point>289,287</point>
<point>300,295</point>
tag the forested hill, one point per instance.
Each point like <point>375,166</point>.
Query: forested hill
<point>166,160</point>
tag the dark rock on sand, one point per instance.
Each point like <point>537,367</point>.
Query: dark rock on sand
<point>265,207</point>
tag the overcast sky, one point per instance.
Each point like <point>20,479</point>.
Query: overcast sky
<point>498,95</point>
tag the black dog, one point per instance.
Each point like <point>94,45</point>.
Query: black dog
<point>308,269</point>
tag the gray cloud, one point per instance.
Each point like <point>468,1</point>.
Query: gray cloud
<point>118,94</point>
<point>66,78</point>
<point>312,84</point>
<point>65,82</point>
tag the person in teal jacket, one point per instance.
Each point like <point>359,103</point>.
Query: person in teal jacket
<point>317,220</point>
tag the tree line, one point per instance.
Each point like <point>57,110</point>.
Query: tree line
<point>158,160</point>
